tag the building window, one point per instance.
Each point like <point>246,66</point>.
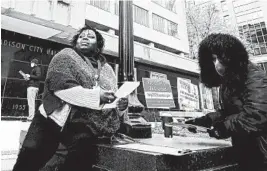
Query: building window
<point>165,26</point>
<point>158,23</point>
<point>172,28</point>
<point>63,8</point>
<point>140,15</point>
<point>257,35</point>
<point>168,4</point>
<point>103,4</point>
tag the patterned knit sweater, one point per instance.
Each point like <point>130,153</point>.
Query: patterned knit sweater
<point>68,69</point>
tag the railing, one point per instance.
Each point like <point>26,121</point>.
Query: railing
<point>146,52</point>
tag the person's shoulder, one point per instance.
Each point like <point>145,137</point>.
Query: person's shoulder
<point>256,75</point>
<point>65,57</point>
<point>108,67</point>
<point>255,72</point>
<point>64,54</point>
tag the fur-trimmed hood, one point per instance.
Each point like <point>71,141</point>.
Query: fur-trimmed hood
<point>231,52</point>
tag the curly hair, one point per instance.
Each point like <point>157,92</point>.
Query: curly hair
<point>233,55</point>
<point>99,38</point>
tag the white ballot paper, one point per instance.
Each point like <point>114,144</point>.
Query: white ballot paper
<point>126,89</point>
<point>22,73</point>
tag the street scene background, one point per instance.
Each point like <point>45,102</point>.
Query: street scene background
<point>166,37</point>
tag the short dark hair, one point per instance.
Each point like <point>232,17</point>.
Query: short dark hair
<point>99,38</point>
<point>34,60</point>
<point>233,55</point>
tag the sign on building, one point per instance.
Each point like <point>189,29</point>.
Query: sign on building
<point>206,98</point>
<point>158,93</point>
<point>156,75</point>
<point>188,96</point>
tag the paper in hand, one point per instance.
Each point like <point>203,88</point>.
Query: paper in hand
<point>126,89</point>
<point>22,73</point>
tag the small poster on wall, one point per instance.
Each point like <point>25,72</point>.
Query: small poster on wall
<point>156,75</point>
<point>188,96</point>
<point>206,98</point>
<point>158,93</point>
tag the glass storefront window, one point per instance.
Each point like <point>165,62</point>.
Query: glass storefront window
<point>17,51</point>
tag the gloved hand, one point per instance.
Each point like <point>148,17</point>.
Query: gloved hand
<point>204,121</point>
<point>218,131</point>
<point>192,129</point>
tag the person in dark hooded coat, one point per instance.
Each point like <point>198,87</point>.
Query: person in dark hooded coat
<point>224,63</point>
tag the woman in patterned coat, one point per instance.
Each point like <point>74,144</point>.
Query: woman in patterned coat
<point>223,62</point>
<point>79,82</point>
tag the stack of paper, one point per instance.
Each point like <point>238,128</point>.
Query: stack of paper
<point>126,89</point>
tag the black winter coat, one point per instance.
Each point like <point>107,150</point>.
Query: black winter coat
<point>245,118</point>
<point>35,77</point>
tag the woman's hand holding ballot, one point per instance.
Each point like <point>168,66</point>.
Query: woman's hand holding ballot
<point>106,96</point>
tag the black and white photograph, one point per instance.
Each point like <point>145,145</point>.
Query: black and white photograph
<point>133,85</point>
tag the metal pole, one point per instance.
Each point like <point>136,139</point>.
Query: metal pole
<point>126,49</point>
<point>126,70</point>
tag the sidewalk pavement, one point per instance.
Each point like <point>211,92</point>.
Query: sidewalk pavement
<point>10,133</point>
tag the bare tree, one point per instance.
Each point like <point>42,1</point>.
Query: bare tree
<point>204,19</point>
